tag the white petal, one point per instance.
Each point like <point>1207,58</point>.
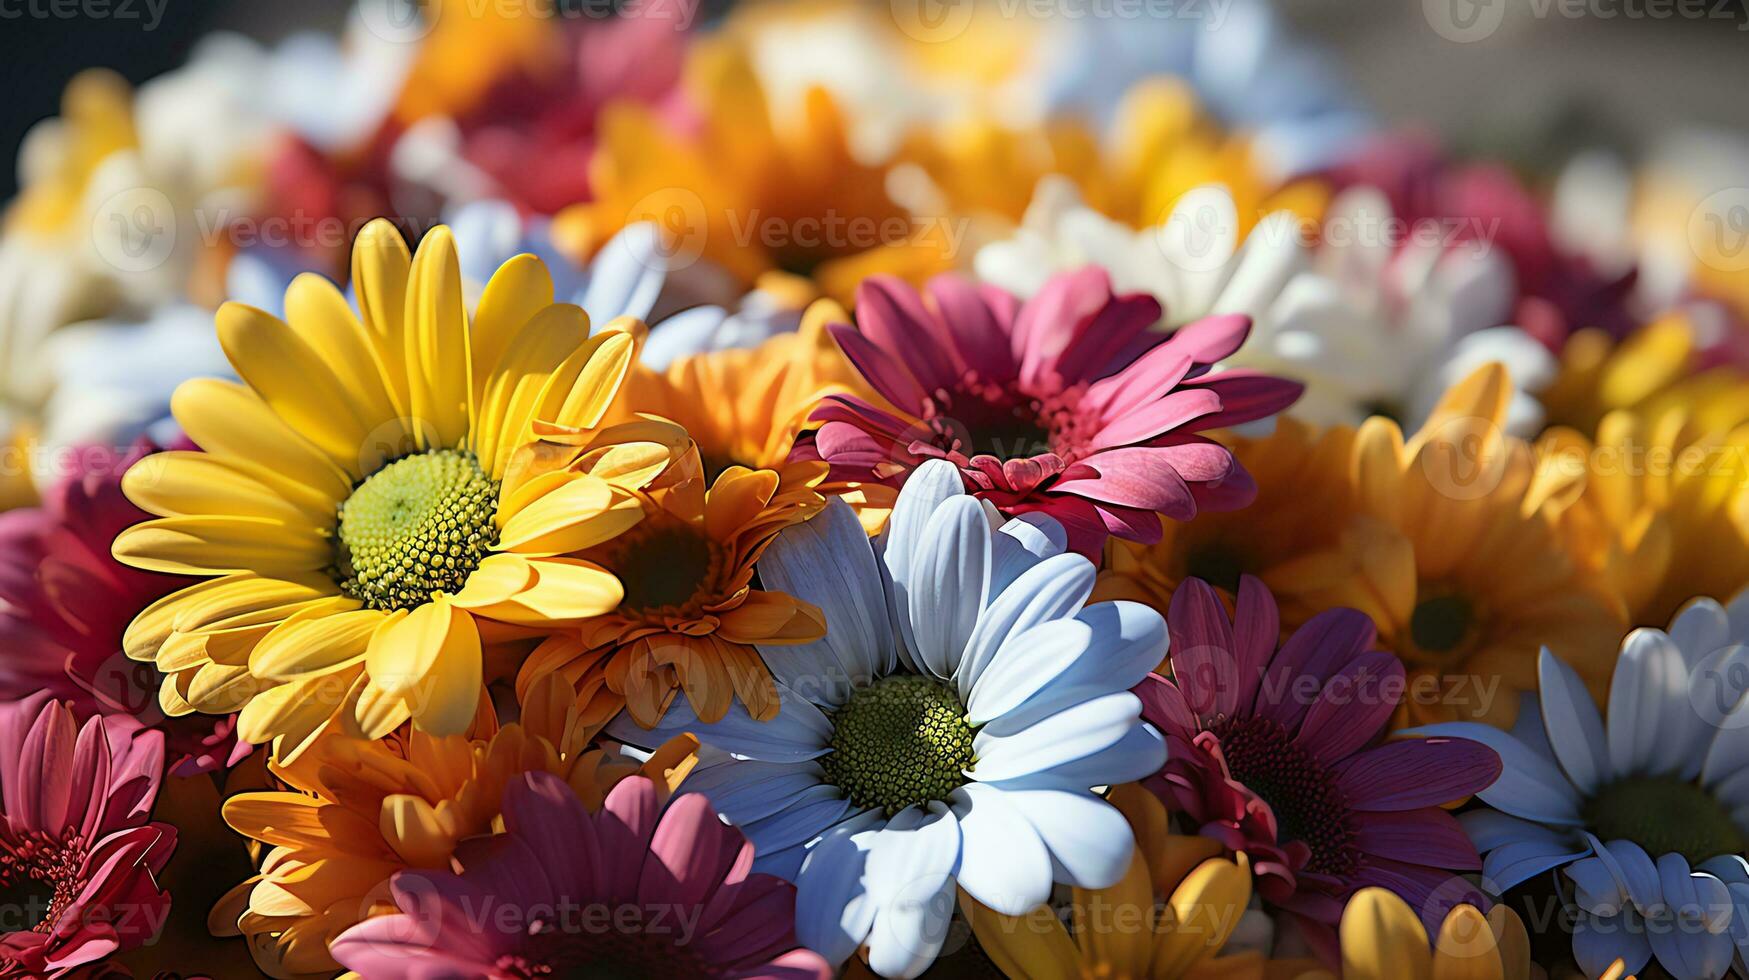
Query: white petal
<point>1700,630</point>
<point>1129,640</point>
<point>926,489</point>
<point>1728,755</point>
<point>744,791</point>
<point>684,334</point>
<point>828,561</point>
<point>626,276</point>
<point>1003,863</point>
<point>949,584</point>
<point>1064,737</point>
<point>1054,589</point>
<point>1651,725</point>
<point>910,880</point>
<point>1022,543</point>
<point>833,908</point>
<point>1140,753</point>
<point>1574,728</point>
<point>1027,662</point>
<point>1089,840</point>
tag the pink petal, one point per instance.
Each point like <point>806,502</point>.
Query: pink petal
<point>1256,631</point>
<point>1429,836</point>
<point>1163,706</point>
<point>885,374</point>
<point>978,338</point>
<point>1175,411</point>
<point>1049,321</point>
<point>1159,370</point>
<point>1134,476</point>
<point>1107,336</point>
<point>690,853</point>
<point>1352,707</point>
<point>1202,650</point>
<point>541,807</point>
<point>1316,650</point>
<point>1212,338</point>
<point>1245,396</point>
<point>1415,773</point>
<point>892,316</point>
<point>624,825</point>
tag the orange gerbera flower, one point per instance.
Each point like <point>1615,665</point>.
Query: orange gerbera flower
<point>354,812</point>
<point>690,616</point>
<point>750,192</point>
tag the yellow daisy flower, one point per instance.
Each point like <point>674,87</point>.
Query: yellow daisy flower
<point>365,498</point>
<point>690,615</point>
<point>354,812</point>
<point>1662,451</point>
<point>1456,557</point>
<point>755,194</point>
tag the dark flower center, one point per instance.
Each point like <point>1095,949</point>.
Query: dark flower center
<point>1301,793</point>
<point>1441,624</point>
<point>39,878</point>
<point>596,948</point>
<point>1016,435</point>
<point>663,564</point>
<point>419,525</point>
<point>1664,815</point>
<point>900,741</point>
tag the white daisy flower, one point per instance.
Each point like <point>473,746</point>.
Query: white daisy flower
<point>949,729</point>
<point>1646,815</point>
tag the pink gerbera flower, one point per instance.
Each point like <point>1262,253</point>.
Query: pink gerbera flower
<point>1277,753</point>
<point>77,848</point>
<point>65,603</point>
<point>634,891</point>
<point>1067,404</point>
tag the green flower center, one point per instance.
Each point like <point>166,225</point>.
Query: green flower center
<point>1664,815</point>
<point>419,525</point>
<point>900,741</point>
<point>1441,623</point>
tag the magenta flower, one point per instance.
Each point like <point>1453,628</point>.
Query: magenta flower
<point>631,891</point>
<point>65,603</point>
<point>77,847</point>
<point>1277,753</point>
<point>1067,404</point>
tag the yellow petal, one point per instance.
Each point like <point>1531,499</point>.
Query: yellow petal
<point>1382,939</point>
<point>584,386</point>
<point>437,357</point>
<point>498,577</point>
<point>1035,946</point>
<point>304,647</point>
<point>195,484</point>
<point>377,713</point>
<point>295,381</point>
<point>220,689</point>
<point>513,390</point>
<point>380,267</point>
<point>221,545</point>
<point>519,289</point>
<point>413,828</point>
<point>567,589</point>
<point>405,645</point>
<point>322,317</point>
<point>230,421</point>
<point>1466,948</point>
<point>580,514</point>
<point>296,706</point>
<point>1206,907</point>
<point>446,702</point>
